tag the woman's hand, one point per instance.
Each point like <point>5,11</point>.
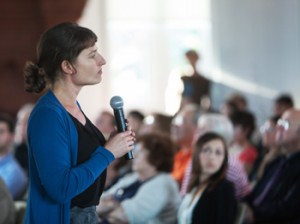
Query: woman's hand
<point>121,143</point>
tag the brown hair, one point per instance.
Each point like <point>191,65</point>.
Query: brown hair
<point>161,150</point>
<point>62,42</point>
<point>196,167</point>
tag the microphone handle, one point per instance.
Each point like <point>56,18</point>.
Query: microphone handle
<point>121,125</point>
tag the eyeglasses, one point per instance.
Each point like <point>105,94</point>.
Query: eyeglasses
<point>285,124</point>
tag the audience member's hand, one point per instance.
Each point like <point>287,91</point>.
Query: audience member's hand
<point>117,216</point>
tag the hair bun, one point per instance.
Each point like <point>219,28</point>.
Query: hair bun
<point>34,75</point>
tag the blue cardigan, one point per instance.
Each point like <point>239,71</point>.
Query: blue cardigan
<point>54,177</point>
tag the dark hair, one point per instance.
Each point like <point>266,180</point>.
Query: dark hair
<point>6,118</point>
<point>161,122</point>
<point>192,53</point>
<point>161,150</point>
<point>285,99</point>
<point>136,114</point>
<point>244,118</point>
<point>62,42</point>
<point>196,167</point>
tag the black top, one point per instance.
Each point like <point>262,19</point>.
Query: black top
<point>89,138</point>
<point>216,206</point>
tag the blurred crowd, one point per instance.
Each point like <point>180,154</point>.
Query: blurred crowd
<point>200,165</point>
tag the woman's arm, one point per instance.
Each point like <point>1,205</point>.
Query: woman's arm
<point>49,139</point>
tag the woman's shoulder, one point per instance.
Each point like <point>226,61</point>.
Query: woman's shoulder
<point>48,105</point>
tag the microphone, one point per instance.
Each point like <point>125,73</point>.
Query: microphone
<point>116,103</point>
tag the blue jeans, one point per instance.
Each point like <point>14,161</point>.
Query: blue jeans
<point>84,215</point>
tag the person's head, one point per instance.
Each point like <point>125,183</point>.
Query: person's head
<point>217,123</point>
<point>7,126</point>
<point>135,119</point>
<point>288,130</point>
<point>21,124</point>
<point>244,125</point>
<point>282,103</point>
<point>228,107</point>
<point>239,100</point>
<point>66,50</point>
<point>184,125</point>
<point>192,56</point>
<point>268,131</point>
<point>209,160</point>
<point>105,122</point>
<point>157,122</point>
<point>153,152</point>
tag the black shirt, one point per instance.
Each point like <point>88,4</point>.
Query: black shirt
<point>89,138</point>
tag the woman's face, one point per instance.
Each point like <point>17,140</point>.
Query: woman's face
<point>88,67</point>
<point>212,156</point>
<point>140,163</point>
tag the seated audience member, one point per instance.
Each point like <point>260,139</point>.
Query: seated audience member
<point>271,150</point>
<point>210,198</point>
<point>7,214</point>
<point>157,122</point>
<point>275,197</point>
<point>241,146</point>
<point>183,127</point>
<point>20,138</point>
<point>135,119</point>
<point>10,170</point>
<point>221,125</point>
<point>149,194</point>
<point>105,122</point>
<point>282,103</point>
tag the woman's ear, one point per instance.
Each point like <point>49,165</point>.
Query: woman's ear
<point>67,67</point>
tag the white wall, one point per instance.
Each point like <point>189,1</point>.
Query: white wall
<point>257,48</point>
<point>251,46</point>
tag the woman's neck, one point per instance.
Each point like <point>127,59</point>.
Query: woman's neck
<point>204,177</point>
<point>66,94</point>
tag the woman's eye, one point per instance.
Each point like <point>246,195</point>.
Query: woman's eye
<point>218,152</point>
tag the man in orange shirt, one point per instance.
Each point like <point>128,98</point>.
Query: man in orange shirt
<point>183,127</point>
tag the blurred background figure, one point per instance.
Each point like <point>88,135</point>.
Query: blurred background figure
<point>157,122</point>
<point>270,149</point>
<point>242,146</point>
<point>210,198</point>
<point>282,103</point>
<point>105,122</point>
<point>275,197</point>
<point>239,100</point>
<point>195,86</point>
<point>135,119</point>
<point>10,170</point>
<point>149,194</point>
<point>20,139</point>
<point>7,208</point>
<point>227,108</point>
<point>183,128</point>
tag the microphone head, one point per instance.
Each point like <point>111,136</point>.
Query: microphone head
<point>116,102</point>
